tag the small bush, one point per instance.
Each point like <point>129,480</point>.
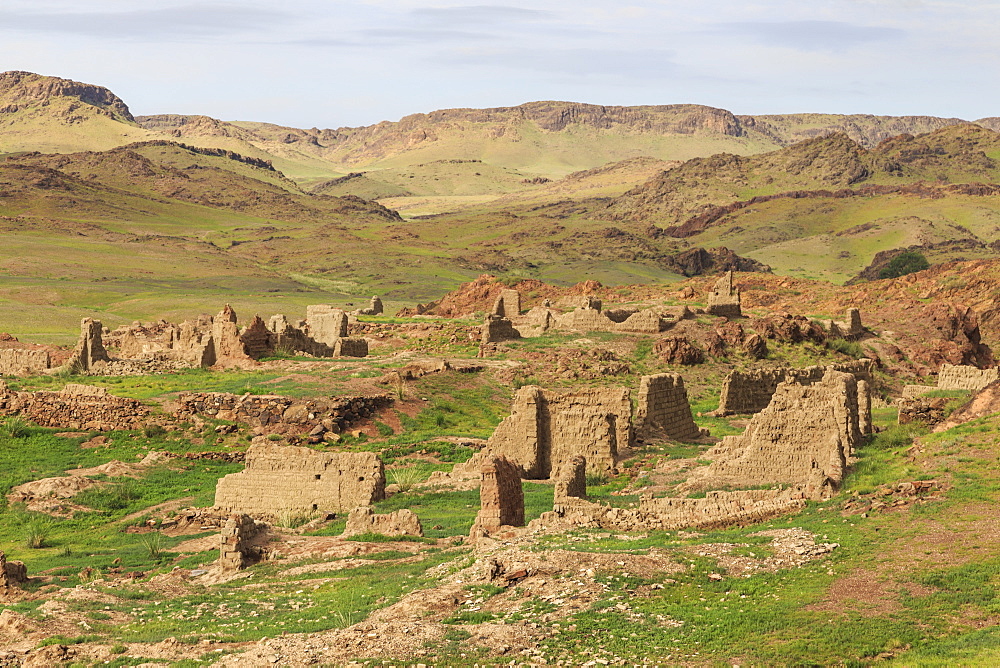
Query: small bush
<point>850,348</point>
<point>37,533</point>
<point>151,541</point>
<point>903,264</point>
<point>153,430</point>
<point>14,427</point>
<point>405,478</point>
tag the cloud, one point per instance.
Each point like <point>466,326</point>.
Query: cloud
<point>578,62</point>
<point>811,35</point>
<point>481,14</point>
<point>182,22</point>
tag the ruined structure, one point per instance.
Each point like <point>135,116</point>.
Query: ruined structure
<point>571,480</point>
<point>962,377</point>
<point>325,323</point>
<point>75,407</point>
<point>280,414</point>
<point>850,329</point>
<point>750,391</point>
<point>16,362</point>
<point>805,436</point>
<point>350,347</point>
<point>89,352</point>
<point>282,479</point>
<point>663,409</point>
<point>12,573</point>
<point>239,544</point>
<point>724,299</point>
<point>508,304</point>
<point>363,520</point>
<point>546,428</point>
<point>498,328</point>
<point>501,497</point>
<point>594,320</point>
<point>374,307</point>
<point>292,338</point>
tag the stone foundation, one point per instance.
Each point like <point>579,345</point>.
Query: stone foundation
<point>75,407</point>
<point>364,520</point>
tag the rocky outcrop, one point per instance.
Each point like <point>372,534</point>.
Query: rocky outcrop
<point>22,89</point>
<point>678,350</point>
<point>288,479</point>
<point>698,261</point>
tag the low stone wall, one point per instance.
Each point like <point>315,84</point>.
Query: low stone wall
<point>281,413</point>
<point>282,479</point>
<point>963,377</point>
<point>75,407</point>
<point>364,520</point>
<point>237,548</point>
<point>16,362</point>
<point>751,391</point>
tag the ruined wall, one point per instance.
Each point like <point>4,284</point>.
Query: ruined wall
<point>750,391</point>
<point>16,362</point>
<point>805,436</point>
<point>663,409</point>
<point>293,479</point>
<point>961,377</point>
<point>593,320</point>
<point>498,328</point>
<point>849,329</point>
<point>363,519</point>
<point>375,307</point>
<point>294,338</point>
<point>325,323</point>
<point>724,299</point>
<point>508,304</point>
<point>350,347</point>
<point>256,339</point>
<point>12,573</point>
<point>89,351</point>
<point>237,542</point>
<point>334,414</point>
<point>547,428</point>
<point>571,480</point>
<point>75,407</point>
<point>501,497</point>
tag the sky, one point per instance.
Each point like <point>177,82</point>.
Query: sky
<point>337,63</point>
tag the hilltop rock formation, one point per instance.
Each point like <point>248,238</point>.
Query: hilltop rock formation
<point>23,89</point>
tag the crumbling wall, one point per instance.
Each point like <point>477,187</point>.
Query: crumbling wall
<point>805,436</point>
<point>375,307</point>
<point>256,339</point>
<point>17,362</point>
<point>593,320</point>
<point>498,328</point>
<point>850,329</point>
<point>546,428</point>
<point>325,323</point>
<point>363,519</point>
<point>75,407</point>
<point>962,377</point>
<point>280,479</point>
<point>508,304</point>
<point>350,347</point>
<point>89,351</point>
<point>724,299</point>
<point>501,497</point>
<point>294,338</point>
<point>571,480</point>
<point>238,546</point>
<point>663,409</point>
<point>750,391</point>
<point>269,411</point>
<point>12,573</point>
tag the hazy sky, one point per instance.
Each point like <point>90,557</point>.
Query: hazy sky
<point>332,63</point>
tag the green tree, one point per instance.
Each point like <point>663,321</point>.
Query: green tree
<point>905,263</point>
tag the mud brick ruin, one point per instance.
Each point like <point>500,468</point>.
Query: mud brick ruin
<point>571,480</point>
<point>364,520</point>
<point>325,323</point>
<point>663,409</point>
<point>805,436</point>
<point>963,377</point>
<point>498,328</point>
<point>850,329</point>
<point>15,362</point>
<point>547,428</point>
<point>239,542</point>
<point>501,497</point>
<point>75,407</point>
<point>281,414</point>
<point>350,347</point>
<point>508,304</point>
<point>283,479</point>
<point>89,352</point>
<point>724,299</point>
<point>12,573</point>
<point>750,391</point>
<point>375,307</point>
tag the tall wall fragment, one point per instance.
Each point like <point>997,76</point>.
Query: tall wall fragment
<point>724,299</point>
<point>663,409</point>
<point>281,479</point>
<point>750,391</point>
<point>325,323</point>
<point>89,351</point>
<point>501,497</point>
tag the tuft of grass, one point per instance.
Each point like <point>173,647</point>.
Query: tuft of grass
<point>14,427</point>
<point>37,532</point>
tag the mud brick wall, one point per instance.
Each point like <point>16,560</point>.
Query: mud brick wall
<point>326,324</point>
<point>364,520</point>
<point>75,407</point>
<point>571,479</point>
<point>719,509</point>
<point>14,362</point>
<point>508,304</point>
<point>501,497</point>
<point>12,573</point>
<point>547,428</point>
<point>334,414</point>
<point>804,436</point>
<point>350,347</point>
<point>663,409</point>
<point>236,548</point>
<point>751,391</point>
<point>724,300</point>
<point>498,328</point>
<point>962,377</point>
<point>593,320</point>
<point>286,478</point>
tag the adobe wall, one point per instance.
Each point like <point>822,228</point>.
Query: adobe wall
<point>571,480</point>
<point>75,407</point>
<point>237,542</point>
<point>12,573</point>
<point>546,428</point>
<point>663,409</point>
<point>508,304</point>
<point>364,519</point>
<point>325,323</point>
<point>498,328</point>
<point>805,436</point>
<point>501,497</point>
<point>963,377</point>
<point>17,362</point>
<point>286,478</point>
<point>350,347</point>
<point>724,299</point>
<point>750,391</point>
<point>334,414</point>
<point>593,320</point>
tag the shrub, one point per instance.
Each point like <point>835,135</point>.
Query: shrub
<point>905,263</point>
<point>14,427</point>
<point>851,348</point>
